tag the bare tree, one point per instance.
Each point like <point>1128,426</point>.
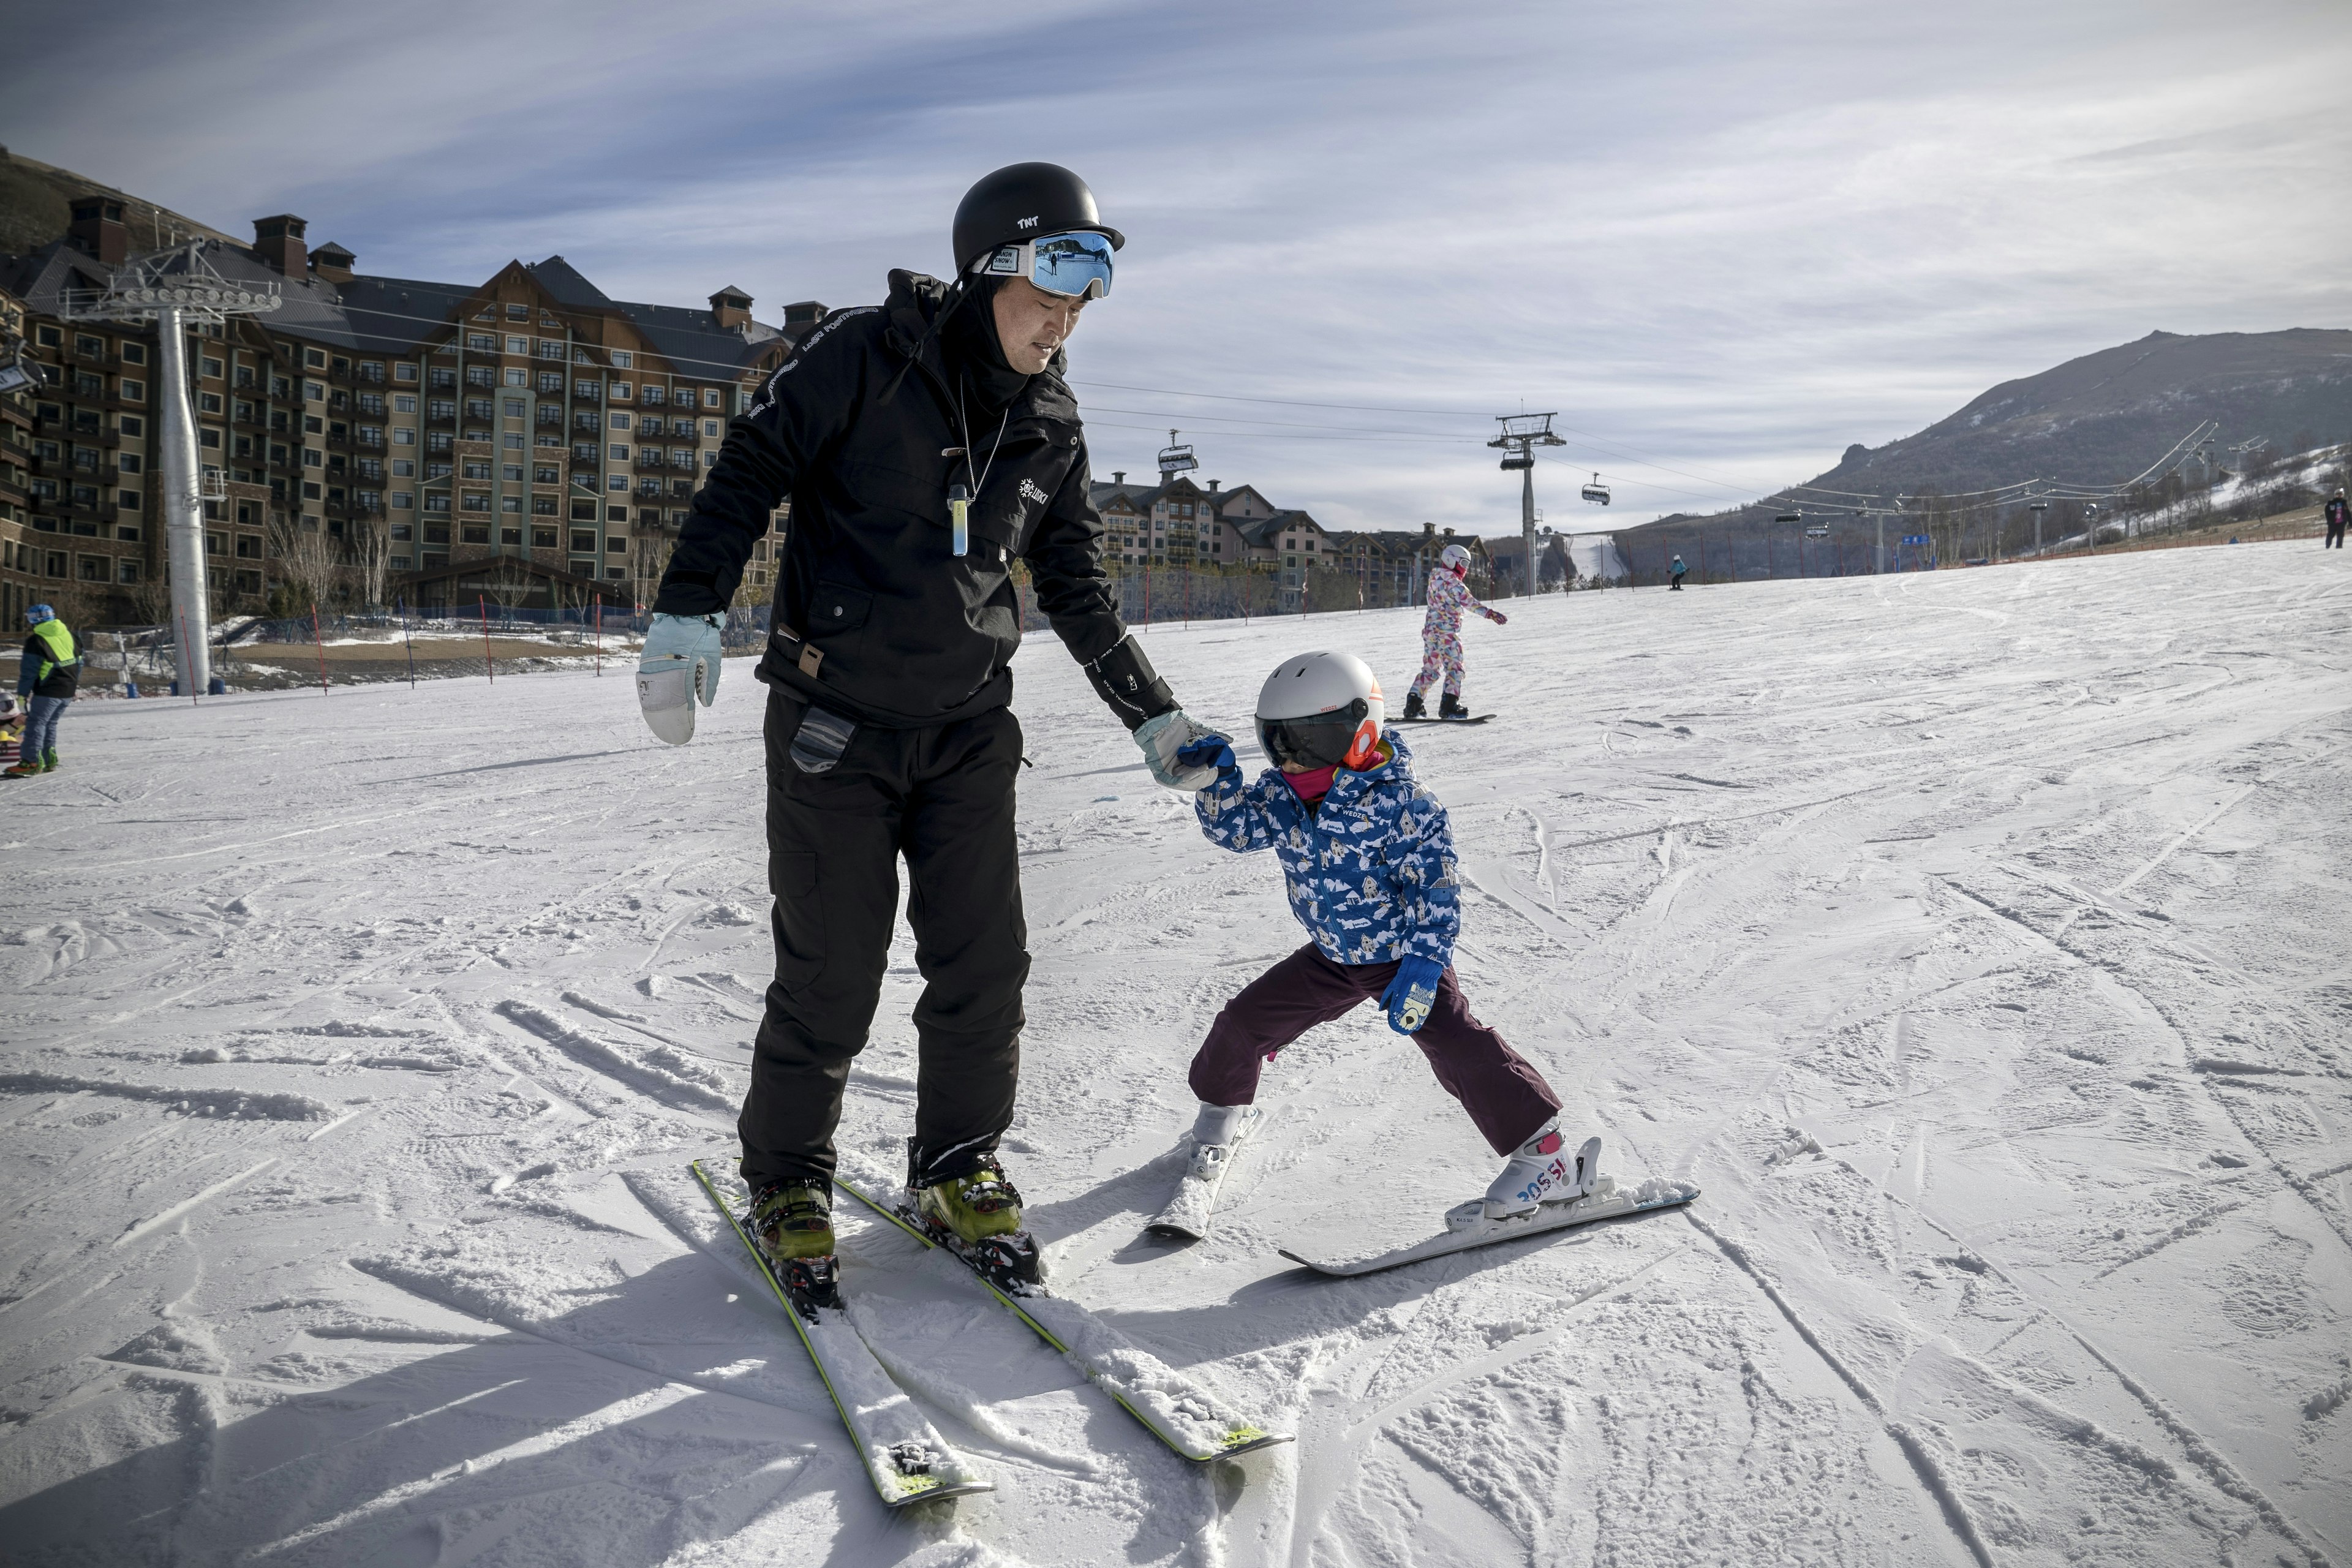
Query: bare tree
<point>307,567</point>
<point>509,583</point>
<point>370,545</point>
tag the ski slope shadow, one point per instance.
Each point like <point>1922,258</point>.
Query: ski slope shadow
<point>555,1449</point>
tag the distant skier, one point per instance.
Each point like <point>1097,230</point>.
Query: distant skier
<point>888,728</point>
<point>1675,575</point>
<point>2337,516</point>
<point>1441,635</point>
<point>47,677</point>
<point>1366,855</point>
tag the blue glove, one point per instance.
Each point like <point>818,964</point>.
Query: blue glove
<point>1413,994</point>
<point>680,662</point>
<point>1164,739</point>
<point>1210,752</point>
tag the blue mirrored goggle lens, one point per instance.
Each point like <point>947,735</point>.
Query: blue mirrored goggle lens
<point>1077,265</point>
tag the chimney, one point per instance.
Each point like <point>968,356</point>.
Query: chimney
<point>1213,484</point>
<point>1118,476</point>
<point>278,241</point>
<point>332,262</point>
<point>98,227</point>
<point>1429,531</point>
<point>731,308</point>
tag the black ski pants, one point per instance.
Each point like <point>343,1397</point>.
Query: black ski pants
<point>942,798</point>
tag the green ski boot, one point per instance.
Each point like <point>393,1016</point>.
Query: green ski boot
<point>979,1214</point>
<point>793,1223</point>
<point>49,762</point>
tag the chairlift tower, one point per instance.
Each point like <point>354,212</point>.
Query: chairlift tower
<point>1522,434</point>
<point>174,289</point>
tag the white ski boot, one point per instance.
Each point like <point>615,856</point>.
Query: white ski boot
<point>1541,1171</point>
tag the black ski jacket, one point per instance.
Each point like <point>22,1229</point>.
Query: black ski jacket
<point>875,618</point>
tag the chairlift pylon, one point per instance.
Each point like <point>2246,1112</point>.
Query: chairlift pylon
<point>1596,492</point>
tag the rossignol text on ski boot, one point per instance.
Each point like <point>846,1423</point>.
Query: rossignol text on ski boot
<point>978,1214</point>
<point>792,1222</point>
<point>1413,706</point>
<point>1541,1171</point>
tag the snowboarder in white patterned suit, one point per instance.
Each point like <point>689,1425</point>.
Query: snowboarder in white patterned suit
<point>1441,635</point>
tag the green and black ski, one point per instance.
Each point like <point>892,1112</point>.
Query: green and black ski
<point>907,1461</point>
<point>1181,1414</point>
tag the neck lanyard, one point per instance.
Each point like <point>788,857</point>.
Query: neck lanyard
<point>960,499</point>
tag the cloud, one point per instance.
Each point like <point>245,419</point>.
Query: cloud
<point>1722,240</point>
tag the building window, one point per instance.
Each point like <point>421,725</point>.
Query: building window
<point>620,422</point>
<point>208,403</point>
<point>517,376</point>
<point>583,512</point>
<point>514,406</point>
<point>616,514</point>
<point>481,344</point>
<point>518,345</point>
<point>617,452</point>
<point>136,391</point>
<point>315,358</point>
<point>403,501</point>
<point>710,398</point>
<point>403,371</point>
<point>619,391</point>
<point>711,427</point>
<point>132,426</point>
<point>653,394</point>
<point>126,572</point>
<point>518,313</point>
<point>128,462</point>
<point>126,499</point>
<point>619,359</point>
<point>134,353</point>
<point>551,348</point>
<point>436,503</point>
<point>404,437</point>
<point>212,366</point>
<point>510,503</point>
<point>51,337</point>
<point>616,481</point>
<point>476,532</point>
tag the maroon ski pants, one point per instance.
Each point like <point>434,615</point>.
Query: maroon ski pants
<point>1500,1088</point>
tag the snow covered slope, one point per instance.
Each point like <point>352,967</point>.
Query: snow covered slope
<point>1977,941</point>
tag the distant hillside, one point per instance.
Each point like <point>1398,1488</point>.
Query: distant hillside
<point>2096,421</point>
<point>36,207</point>
<point>2103,418</point>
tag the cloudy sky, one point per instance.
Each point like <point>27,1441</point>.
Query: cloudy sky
<point>1722,240</point>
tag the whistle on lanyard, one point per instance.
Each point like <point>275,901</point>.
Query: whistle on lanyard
<point>959,510</point>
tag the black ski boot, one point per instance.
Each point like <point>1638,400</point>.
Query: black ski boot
<point>1450,707</point>
<point>1414,707</point>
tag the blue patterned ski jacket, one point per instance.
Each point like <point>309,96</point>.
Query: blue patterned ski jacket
<point>1370,874</point>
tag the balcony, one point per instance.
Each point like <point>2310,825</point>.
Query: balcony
<point>371,439</point>
<point>650,458</point>
<point>253,419</point>
<point>106,357</point>
<point>482,377</point>
<point>584,460</point>
<point>372,375</point>
<point>440,422</point>
<point>550,414</point>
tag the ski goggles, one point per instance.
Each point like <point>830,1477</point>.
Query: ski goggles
<point>1075,264</point>
<point>1318,741</point>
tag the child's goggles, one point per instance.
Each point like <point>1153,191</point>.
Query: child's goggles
<point>1318,741</point>
<point>1076,265</point>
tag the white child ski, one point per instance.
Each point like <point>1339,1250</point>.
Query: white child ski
<point>1467,1229</point>
<point>1188,1214</point>
<point>1190,1419</point>
<point>907,1459</point>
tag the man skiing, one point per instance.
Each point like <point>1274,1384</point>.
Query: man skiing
<point>1441,635</point>
<point>1367,855</point>
<point>2337,517</point>
<point>1675,575</point>
<point>925,443</point>
<point>48,674</point>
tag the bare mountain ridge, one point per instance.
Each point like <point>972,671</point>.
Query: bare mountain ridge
<point>2104,417</point>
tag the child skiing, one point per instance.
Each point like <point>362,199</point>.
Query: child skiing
<point>1676,572</point>
<point>1368,856</point>
<point>1441,635</point>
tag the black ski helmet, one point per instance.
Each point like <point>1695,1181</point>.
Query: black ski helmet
<point>1024,201</point>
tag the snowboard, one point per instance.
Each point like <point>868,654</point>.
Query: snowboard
<point>904,1457</point>
<point>1606,1201</point>
<point>1188,1214</point>
<point>1434,719</point>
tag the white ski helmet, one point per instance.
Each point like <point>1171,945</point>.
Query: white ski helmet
<point>1320,708</point>
<point>1454,557</point>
